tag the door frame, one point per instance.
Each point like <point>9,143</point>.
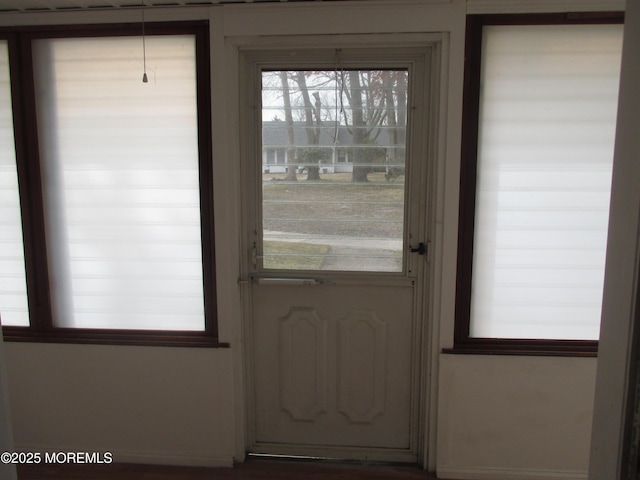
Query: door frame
<point>376,48</point>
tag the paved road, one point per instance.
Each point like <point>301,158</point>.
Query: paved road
<point>392,244</point>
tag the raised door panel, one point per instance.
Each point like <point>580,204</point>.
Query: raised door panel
<point>362,354</point>
<point>332,365</point>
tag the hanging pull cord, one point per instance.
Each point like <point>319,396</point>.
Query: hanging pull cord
<point>144,48</point>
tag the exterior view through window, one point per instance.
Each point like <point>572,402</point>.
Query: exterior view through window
<point>333,169</point>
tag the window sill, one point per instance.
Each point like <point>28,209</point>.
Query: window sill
<point>547,348</point>
<point>113,337</point>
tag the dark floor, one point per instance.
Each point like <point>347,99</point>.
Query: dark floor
<point>250,470</point>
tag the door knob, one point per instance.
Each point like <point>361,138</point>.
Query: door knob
<point>421,249</point>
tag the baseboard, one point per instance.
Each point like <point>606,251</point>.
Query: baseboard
<point>147,458</point>
<point>494,473</point>
<point>173,459</point>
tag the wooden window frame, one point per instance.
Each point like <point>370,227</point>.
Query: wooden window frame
<point>41,328</point>
<point>463,342</point>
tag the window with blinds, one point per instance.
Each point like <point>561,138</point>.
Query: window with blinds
<point>547,117</point>
<point>13,288</point>
<point>119,161</point>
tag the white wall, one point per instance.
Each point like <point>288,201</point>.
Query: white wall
<point>142,404</point>
<point>620,317</point>
<point>7,470</point>
<point>489,417</point>
<point>514,417</point>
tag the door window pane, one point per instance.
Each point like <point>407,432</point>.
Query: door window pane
<point>120,174</point>
<point>334,198</point>
<point>13,288</point>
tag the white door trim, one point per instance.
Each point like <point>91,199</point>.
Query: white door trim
<point>248,50</point>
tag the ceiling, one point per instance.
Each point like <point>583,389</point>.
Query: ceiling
<point>65,5</point>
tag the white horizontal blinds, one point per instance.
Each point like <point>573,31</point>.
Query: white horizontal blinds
<point>547,125</point>
<point>333,169</point>
<point>13,288</point>
<point>120,168</point>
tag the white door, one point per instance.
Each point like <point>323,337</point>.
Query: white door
<point>335,238</point>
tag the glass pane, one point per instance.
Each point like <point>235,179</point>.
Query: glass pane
<point>13,287</point>
<point>120,163</point>
<point>333,169</point>
<point>547,127</point>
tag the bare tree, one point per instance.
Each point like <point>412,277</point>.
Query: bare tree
<point>358,128</point>
<point>370,104</point>
<point>395,91</point>
<point>291,150</point>
<point>313,131</point>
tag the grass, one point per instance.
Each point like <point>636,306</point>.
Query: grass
<point>293,255</point>
<point>335,206</point>
<point>332,206</point>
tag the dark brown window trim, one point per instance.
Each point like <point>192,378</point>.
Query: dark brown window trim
<point>108,29</point>
<point>463,342</point>
<point>112,337</point>
<point>547,348</point>
<point>31,199</point>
